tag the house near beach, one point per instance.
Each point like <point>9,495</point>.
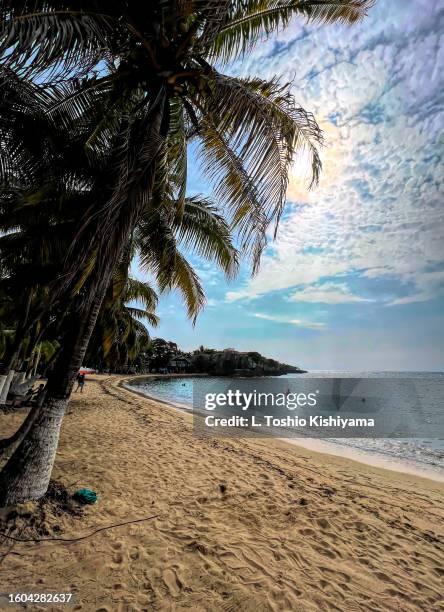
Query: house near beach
<point>179,363</point>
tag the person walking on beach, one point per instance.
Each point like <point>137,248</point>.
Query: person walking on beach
<point>80,381</point>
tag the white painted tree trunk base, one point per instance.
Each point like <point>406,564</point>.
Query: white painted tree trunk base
<point>6,385</point>
<point>3,378</point>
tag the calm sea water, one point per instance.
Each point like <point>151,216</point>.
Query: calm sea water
<point>425,453</point>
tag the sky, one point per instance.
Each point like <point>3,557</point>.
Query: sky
<point>355,278</point>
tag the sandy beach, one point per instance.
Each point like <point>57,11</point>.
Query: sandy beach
<point>239,525</point>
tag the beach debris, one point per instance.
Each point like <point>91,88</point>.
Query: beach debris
<point>85,496</point>
<point>223,488</point>
<point>303,501</point>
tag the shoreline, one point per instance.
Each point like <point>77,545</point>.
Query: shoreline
<point>365,457</point>
<point>237,524</point>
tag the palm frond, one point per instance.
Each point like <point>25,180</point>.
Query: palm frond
<point>330,11</point>
<point>177,151</point>
<point>255,20</point>
<point>183,277</point>
<point>171,164</point>
<point>160,256</point>
<point>251,131</point>
<point>139,313</point>
<point>233,186</point>
<point>202,229</point>
<point>24,131</point>
<point>108,333</point>
<point>78,102</point>
<point>37,39</point>
<point>142,291</point>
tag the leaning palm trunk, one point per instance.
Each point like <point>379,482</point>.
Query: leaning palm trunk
<point>27,473</point>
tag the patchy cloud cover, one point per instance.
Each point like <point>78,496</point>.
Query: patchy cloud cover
<point>378,91</point>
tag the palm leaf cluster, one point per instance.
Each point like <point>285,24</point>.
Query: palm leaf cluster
<point>243,25</point>
<point>40,219</point>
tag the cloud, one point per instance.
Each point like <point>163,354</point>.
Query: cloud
<point>296,322</point>
<point>430,284</point>
<point>233,296</point>
<point>327,293</point>
<point>260,315</point>
<point>307,324</point>
<point>377,214</point>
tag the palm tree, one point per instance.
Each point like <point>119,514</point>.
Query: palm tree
<point>43,181</point>
<point>41,209</point>
<point>149,71</point>
<point>201,230</point>
<point>119,335</point>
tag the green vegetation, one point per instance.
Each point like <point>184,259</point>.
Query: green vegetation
<point>163,356</point>
<point>231,363</point>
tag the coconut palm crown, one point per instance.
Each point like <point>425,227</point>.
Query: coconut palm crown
<point>158,61</point>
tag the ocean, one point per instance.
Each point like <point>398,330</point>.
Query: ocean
<point>422,455</point>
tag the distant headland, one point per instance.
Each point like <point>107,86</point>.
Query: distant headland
<point>165,357</point>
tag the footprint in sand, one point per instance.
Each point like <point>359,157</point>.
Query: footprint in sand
<point>134,554</point>
<point>325,551</point>
<point>383,577</point>
<point>335,574</point>
<point>307,532</point>
<point>172,582</point>
<point>323,523</point>
<point>118,558</point>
